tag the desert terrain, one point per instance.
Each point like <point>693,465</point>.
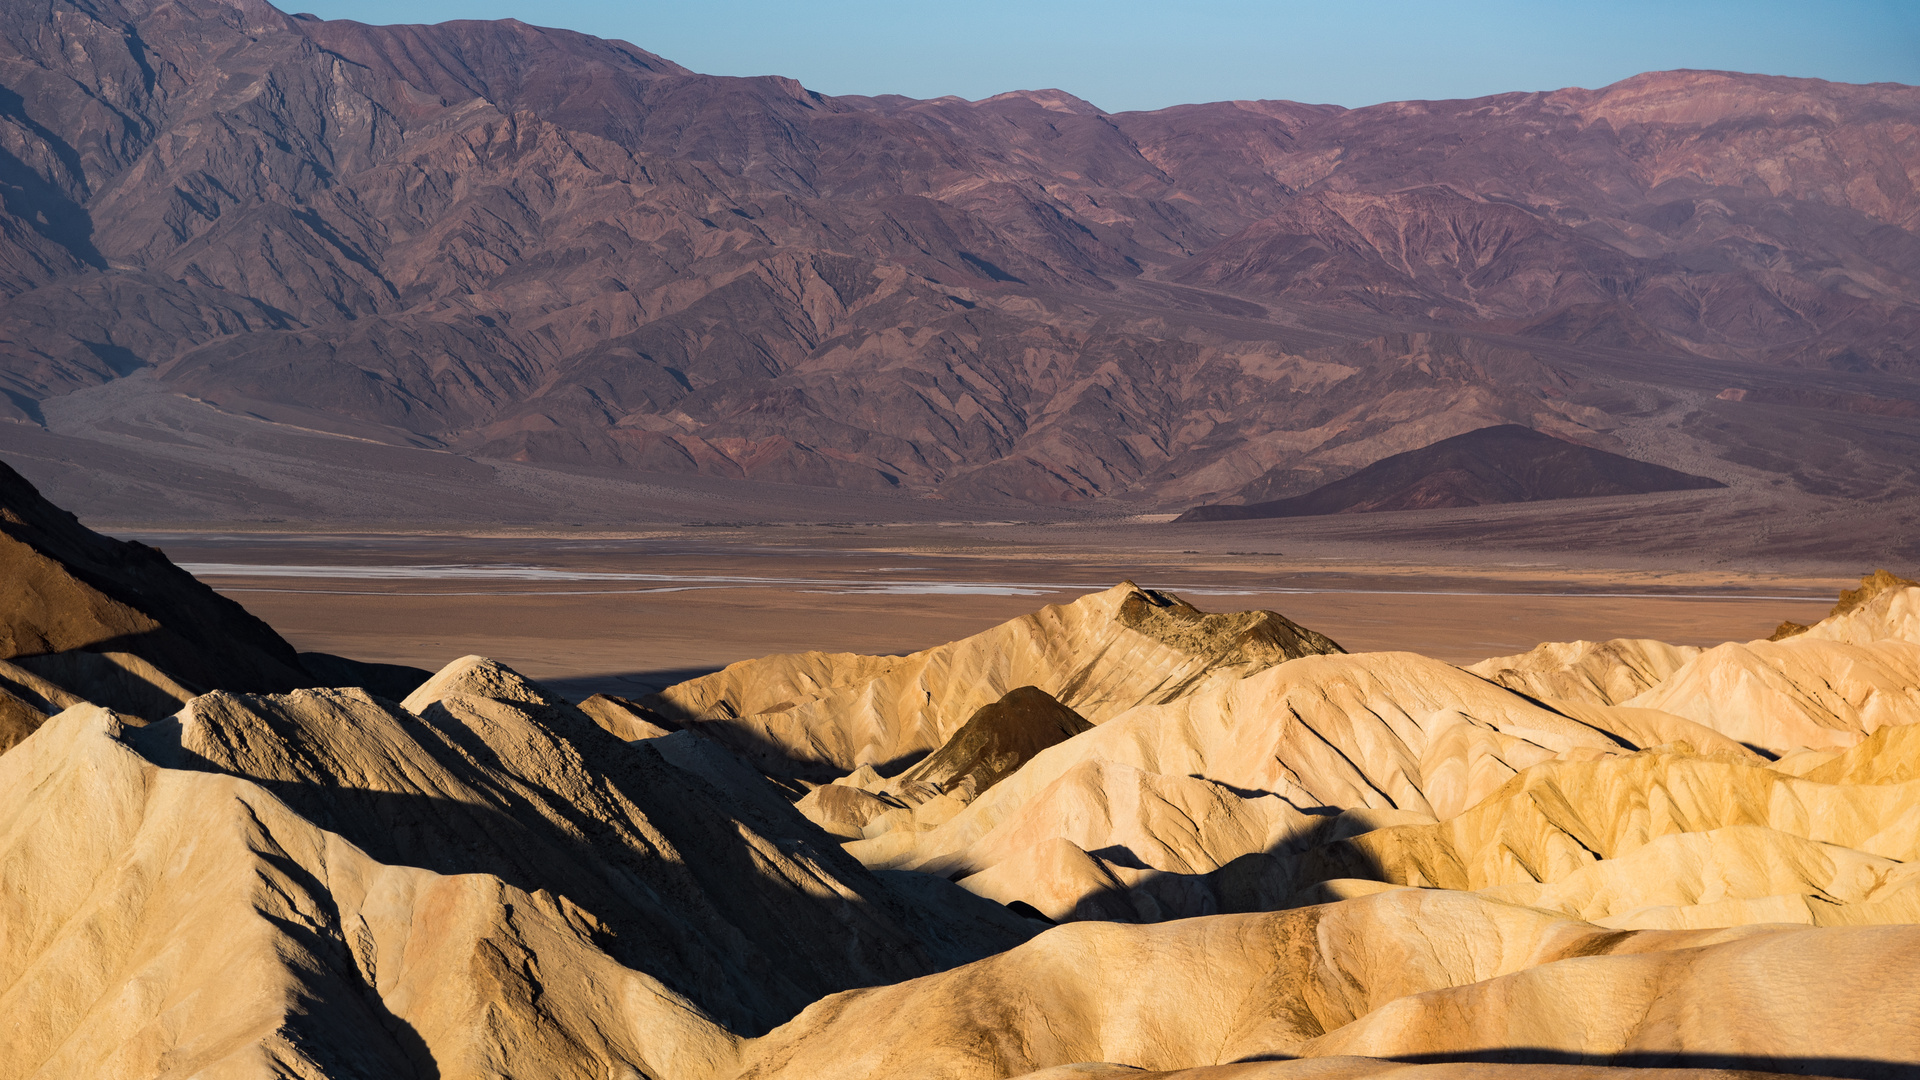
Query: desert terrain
<point>1043,826</point>
<point>620,614</point>
<point>519,559</point>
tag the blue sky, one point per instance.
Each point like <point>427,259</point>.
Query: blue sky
<point>1132,54</point>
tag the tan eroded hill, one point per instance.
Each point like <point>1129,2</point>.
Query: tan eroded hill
<point>1666,838</point>
<point>1389,974</point>
<point>1343,859</point>
<point>1216,801</point>
<point>1826,686</point>
<point>1378,731</point>
<point>324,884</point>
<point>826,715</point>
<point>1597,672</point>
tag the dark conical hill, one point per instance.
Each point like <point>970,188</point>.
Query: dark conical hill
<point>1504,464</point>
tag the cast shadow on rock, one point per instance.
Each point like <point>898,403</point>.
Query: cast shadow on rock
<point>627,684</point>
<point>333,1027</point>
<point>1297,872</point>
<point>749,946</point>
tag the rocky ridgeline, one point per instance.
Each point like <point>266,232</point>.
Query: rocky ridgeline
<point>1115,835</point>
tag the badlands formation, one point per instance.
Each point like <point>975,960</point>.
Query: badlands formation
<point>1118,837</point>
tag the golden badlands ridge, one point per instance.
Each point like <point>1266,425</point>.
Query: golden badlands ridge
<point>1111,836</point>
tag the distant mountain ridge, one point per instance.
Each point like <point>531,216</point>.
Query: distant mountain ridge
<point>1505,464</point>
<point>516,243</point>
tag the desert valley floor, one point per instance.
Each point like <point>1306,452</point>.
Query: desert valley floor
<point>629,614</point>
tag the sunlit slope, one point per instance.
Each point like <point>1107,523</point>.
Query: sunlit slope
<point>1404,973</point>
<point>322,884</point>
<point>824,714</point>
<point>1221,800</point>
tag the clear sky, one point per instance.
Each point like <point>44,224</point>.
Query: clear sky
<point>1135,54</point>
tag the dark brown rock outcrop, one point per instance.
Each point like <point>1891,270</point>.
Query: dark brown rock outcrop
<point>994,742</point>
<point>69,589</point>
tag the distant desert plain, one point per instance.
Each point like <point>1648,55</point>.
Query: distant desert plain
<point>632,614</point>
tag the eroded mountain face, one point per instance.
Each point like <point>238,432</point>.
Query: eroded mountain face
<point>531,244</point>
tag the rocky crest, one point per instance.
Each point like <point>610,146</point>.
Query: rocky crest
<point>1113,838</point>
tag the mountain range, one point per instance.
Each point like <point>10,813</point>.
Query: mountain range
<point>517,244</point>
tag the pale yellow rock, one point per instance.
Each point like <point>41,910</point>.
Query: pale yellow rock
<point>1737,863</point>
<point>485,883</point>
<point>1100,655</point>
<point>1829,994</point>
<point>865,778</point>
<point>1057,878</point>
<point>1893,615</point>
<point>1351,823</point>
<point>1362,1068</point>
<point>322,884</point>
<point>842,809</point>
<point>1380,730</point>
<point>1141,823</point>
<point>1175,823</point>
<point>1590,672</point>
<point>178,922</point>
<point>1607,840</point>
<point>33,687</point>
<point>1802,762</point>
<point>1805,691</point>
<point>937,811</point>
<point>894,818</point>
<point>1888,756</point>
<point>115,680</point>
<point>1334,890</point>
<point>1646,729</point>
<point>1201,992</point>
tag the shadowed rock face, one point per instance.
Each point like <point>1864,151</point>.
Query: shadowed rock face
<point>528,244</point>
<point>85,617</point>
<point>1505,464</point>
<point>993,743</point>
<point>64,587</point>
